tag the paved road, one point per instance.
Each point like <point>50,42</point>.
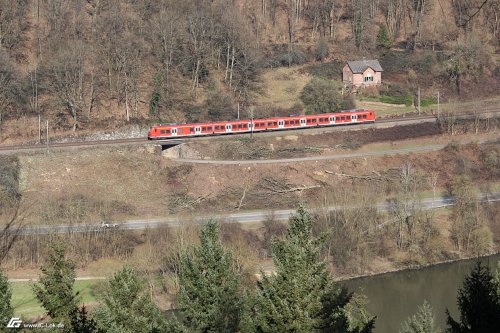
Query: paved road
<point>316,158</point>
<point>246,217</point>
<point>321,158</point>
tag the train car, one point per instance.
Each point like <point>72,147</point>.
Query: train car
<point>168,131</point>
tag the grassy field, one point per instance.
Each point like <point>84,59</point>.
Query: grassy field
<point>25,304</point>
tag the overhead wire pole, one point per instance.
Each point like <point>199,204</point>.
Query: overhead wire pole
<point>418,100</point>
<point>47,133</point>
<point>39,129</point>
<point>438,104</point>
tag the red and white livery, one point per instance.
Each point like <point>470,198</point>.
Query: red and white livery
<point>161,132</point>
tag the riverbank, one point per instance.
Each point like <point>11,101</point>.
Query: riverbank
<point>416,267</point>
<point>393,297</point>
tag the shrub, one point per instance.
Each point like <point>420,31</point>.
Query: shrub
<point>322,50</point>
<point>424,102</point>
<point>9,181</point>
<point>285,58</point>
<point>406,100</point>
<point>321,96</point>
<point>395,94</point>
<point>219,106</point>
<point>329,70</point>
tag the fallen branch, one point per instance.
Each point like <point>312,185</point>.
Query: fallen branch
<point>295,189</point>
<point>242,197</point>
<point>370,178</point>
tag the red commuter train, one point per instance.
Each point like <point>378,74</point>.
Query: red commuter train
<point>160,132</point>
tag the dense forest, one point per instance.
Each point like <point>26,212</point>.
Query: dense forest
<point>78,62</point>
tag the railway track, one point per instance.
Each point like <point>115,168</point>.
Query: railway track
<point>143,140</point>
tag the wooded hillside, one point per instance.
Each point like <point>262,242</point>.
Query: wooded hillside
<point>81,62</point>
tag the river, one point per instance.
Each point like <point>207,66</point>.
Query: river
<point>393,297</point>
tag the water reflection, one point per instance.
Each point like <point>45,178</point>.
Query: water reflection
<point>395,296</point>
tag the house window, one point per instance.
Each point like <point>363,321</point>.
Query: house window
<point>368,78</point>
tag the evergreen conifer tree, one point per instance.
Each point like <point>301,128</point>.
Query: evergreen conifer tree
<point>421,322</point>
<point>55,289</point>
<point>496,280</point>
<point>82,323</point>
<point>478,303</point>
<point>127,306</point>
<point>301,296</point>
<point>209,298</point>
<point>383,38</point>
<point>6,311</point>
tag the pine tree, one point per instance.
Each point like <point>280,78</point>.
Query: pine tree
<point>383,38</point>
<point>209,298</point>
<point>6,311</point>
<point>82,323</point>
<point>55,289</point>
<point>127,306</point>
<point>301,296</point>
<point>421,322</point>
<point>496,280</point>
<point>478,303</point>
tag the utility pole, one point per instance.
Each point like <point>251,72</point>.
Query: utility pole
<point>238,110</point>
<point>251,121</point>
<point>39,129</point>
<point>438,104</point>
<point>418,100</point>
<point>47,133</point>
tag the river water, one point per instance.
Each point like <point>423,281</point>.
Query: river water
<point>393,297</point>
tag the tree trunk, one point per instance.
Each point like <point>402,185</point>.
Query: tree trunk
<point>127,111</point>
<point>227,62</point>
<point>231,72</point>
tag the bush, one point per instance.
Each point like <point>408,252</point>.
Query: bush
<point>406,100</point>
<point>9,181</point>
<point>329,70</point>
<point>219,106</point>
<point>321,96</point>
<point>395,94</point>
<point>424,102</point>
<point>284,58</point>
<point>322,50</point>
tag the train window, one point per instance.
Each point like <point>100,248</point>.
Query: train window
<point>348,117</point>
<point>191,130</point>
<point>275,123</point>
<point>239,126</point>
<point>287,122</point>
<point>364,116</point>
<point>244,125</point>
<point>162,132</point>
<point>332,118</point>
<point>179,130</point>
<point>342,118</point>
<point>167,131</point>
<point>314,120</point>
<point>308,121</point>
